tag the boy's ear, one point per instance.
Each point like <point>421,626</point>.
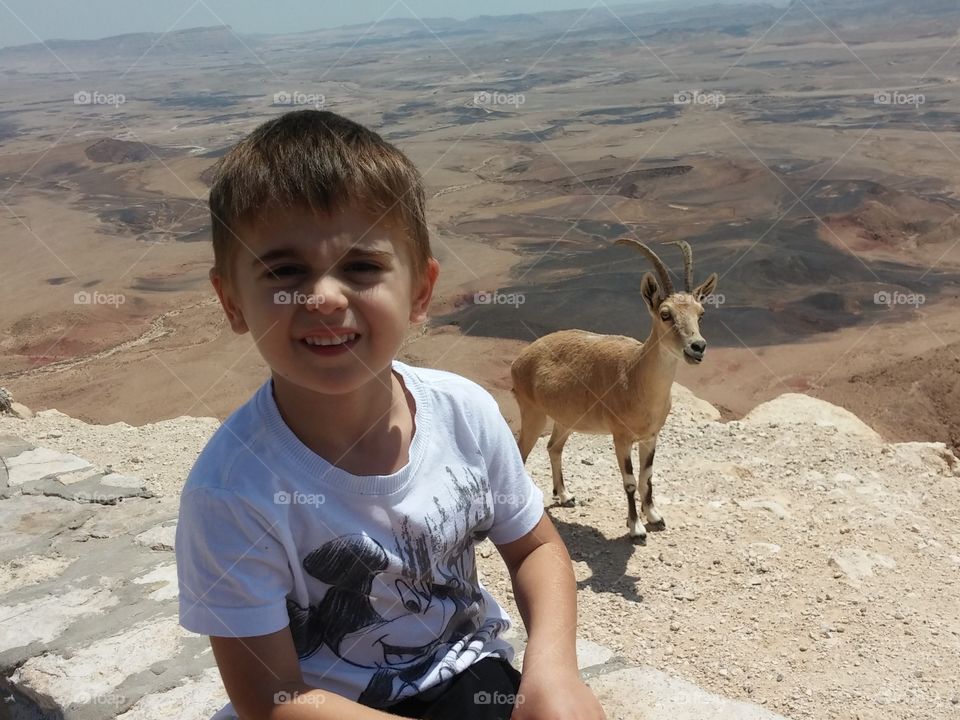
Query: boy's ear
<point>421,299</point>
<point>230,307</point>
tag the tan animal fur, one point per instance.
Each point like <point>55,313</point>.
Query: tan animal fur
<point>612,384</point>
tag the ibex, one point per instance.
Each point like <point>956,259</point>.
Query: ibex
<point>611,384</point>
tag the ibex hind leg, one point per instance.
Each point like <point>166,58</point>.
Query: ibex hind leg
<point>623,446</point>
<point>532,422</point>
<point>558,438</point>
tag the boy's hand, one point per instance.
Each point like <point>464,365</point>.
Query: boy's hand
<point>556,697</point>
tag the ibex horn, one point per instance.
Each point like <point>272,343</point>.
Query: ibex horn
<point>666,285</point>
<point>687,262</point>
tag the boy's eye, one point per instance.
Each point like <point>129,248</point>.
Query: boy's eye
<point>282,271</point>
<point>363,267</point>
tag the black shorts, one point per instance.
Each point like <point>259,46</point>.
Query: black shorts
<point>484,691</point>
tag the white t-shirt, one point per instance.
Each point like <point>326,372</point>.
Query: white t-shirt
<point>376,575</point>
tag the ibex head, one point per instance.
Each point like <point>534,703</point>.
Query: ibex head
<point>676,315</point>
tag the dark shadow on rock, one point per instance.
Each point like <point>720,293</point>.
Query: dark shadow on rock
<point>606,557</point>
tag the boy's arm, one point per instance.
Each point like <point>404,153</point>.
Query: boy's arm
<point>263,680</point>
<point>546,592</point>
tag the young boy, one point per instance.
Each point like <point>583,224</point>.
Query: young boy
<point>327,530</point>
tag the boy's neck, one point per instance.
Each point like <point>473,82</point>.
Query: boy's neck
<point>366,432</point>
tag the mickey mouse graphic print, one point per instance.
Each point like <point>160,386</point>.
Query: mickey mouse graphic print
<point>376,576</point>
<point>412,610</point>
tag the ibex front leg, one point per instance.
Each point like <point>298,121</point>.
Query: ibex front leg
<point>623,445</point>
<point>648,448</point>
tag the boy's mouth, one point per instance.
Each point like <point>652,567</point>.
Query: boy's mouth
<point>330,344</point>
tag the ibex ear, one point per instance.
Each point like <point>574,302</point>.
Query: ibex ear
<point>651,292</point>
<point>706,287</point>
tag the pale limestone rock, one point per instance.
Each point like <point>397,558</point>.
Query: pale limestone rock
<point>93,673</point>
<point>797,409</point>
<point>124,481</point>
<point>643,693</point>
<point>771,506</point>
<point>197,698</point>
<point>762,549</point>
<point>933,456</point>
<point>697,408</point>
<point>75,476</point>
<point>159,537</point>
<point>858,564</point>
<point>30,570</point>
<point>24,518</point>
<point>166,574</point>
<point>589,653</point>
<point>21,411</point>
<point>46,619</point>
<point>41,462</point>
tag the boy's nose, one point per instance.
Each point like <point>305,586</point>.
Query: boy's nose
<point>327,296</point>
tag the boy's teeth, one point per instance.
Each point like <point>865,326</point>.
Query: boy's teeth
<point>330,340</point>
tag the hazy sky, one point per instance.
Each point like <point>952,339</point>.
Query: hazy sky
<point>27,21</point>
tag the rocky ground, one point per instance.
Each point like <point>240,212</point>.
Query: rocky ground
<point>807,567</point>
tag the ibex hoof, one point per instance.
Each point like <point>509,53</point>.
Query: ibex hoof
<point>569,502</point>
<point>638,539</point>
<point>657,526</point>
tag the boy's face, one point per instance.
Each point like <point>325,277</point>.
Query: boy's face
<point>301,274</point>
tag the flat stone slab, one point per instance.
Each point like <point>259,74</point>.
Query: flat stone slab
<point>160,537</point>
<point>643,693</point>
<point>29,523</point>
<point>197,699</point>
<point>163,580</point>
<point>94,674</point>
<point>88,605</point>
<point>124,481</point>
<point>39,463</point>
<point>45,620</point>
<point>89,489</point>
<point>11,445</point>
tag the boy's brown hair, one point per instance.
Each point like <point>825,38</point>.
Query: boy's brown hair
<point>318,160</point>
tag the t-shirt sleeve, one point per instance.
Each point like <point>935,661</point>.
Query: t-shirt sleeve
<point>232,571</point>
<point>517,501</point>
